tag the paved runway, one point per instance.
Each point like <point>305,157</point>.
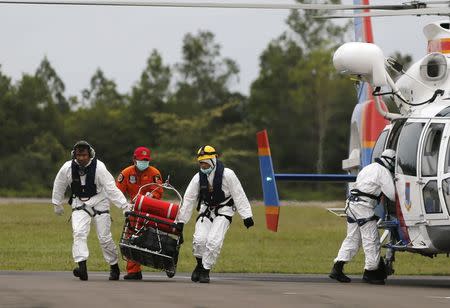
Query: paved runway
<point>61,289</point>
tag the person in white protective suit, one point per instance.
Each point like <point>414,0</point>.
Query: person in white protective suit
<point>92,188</point>
<point>372,182</point>
<point>217,193</point>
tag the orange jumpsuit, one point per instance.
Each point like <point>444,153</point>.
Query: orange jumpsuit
<point>129,181</point>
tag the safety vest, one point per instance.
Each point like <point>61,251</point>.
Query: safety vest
<point>89,189</point>
<point>212,196</point>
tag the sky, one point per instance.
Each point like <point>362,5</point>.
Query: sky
<point>118,40</point>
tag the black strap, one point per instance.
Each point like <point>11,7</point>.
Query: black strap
<point>361,221</point>
<point>358,193</point>
<point>207,214</point>
<point>84,208</point>
<point>229,203</point>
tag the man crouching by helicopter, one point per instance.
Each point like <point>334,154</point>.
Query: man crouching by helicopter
<point>372,182</point>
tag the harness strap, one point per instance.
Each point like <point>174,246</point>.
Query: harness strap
<point>361,221</point>
<point>230,202</point>
<point>93,213</point>
<point>230,219</point>
<point>207,214</point>
<point>357,193</point>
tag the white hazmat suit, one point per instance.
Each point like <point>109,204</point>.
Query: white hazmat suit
<point>373,179</point>
<point>106,191</point>
<point>210,232</point>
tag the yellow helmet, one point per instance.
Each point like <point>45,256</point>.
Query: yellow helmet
<point>206,152</point>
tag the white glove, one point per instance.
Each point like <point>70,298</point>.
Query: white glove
<point>127,208</point>
<point>59,209</point>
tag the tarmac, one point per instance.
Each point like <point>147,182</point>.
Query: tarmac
<point>61,289</point>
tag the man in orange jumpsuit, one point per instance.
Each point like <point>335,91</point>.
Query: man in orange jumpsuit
<point>129,181</point>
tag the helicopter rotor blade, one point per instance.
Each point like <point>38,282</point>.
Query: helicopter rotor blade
<point>180,4</point>
<point>442,11</point>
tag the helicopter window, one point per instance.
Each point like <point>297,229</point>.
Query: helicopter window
<point>447,165</point>
<point>395,133</point>
<point>431,149</point>
<point>431,198</point>
<point>379,145</point>
<point>407,148</point>
<point>446,192</point>
<point>444,112</point>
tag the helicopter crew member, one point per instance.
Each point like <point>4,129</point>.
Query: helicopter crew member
<point>129,182</point>
<point>92,188</point>
<point>217,193</point>
<point>372,182</point>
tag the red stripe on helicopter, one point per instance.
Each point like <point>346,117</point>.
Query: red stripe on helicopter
<point>441,45</point>
<point>368,34</point>
<point>263,145</point>
<point>372,123</point>
<point>272,214</point>
<point>404,235</point>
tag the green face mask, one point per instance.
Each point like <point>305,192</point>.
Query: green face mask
<point>207,171</point>
<point>142,164</point>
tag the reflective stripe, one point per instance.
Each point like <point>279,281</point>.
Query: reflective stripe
<point>169,210</point>
<point>140,203</point>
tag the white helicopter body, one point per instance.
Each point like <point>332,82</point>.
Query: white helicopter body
<point>420,133</point>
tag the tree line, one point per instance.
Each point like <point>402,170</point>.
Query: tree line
<point>174,109</point>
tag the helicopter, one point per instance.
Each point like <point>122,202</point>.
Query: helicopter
<point>419,220</point>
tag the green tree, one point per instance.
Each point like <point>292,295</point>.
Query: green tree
<point>102,91</point>
<point>148,96</point>
<point>55,86</point>
<point>204,76</point>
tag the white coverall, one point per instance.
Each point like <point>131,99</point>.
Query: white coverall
<point>209,236</point>
<point>373,179</point>
<point>81,221</point>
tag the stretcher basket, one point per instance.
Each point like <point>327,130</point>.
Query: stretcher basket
<point>151,241</point>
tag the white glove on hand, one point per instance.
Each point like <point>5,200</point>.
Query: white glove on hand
<point>59,209</point>
<point>127,208</point>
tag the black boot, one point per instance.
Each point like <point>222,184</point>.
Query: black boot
<point>114,273</point>
<point>81,271</point>
<point>337,272</point>
<point>373,277</point>
<point>204,276</point>
<point>382,270</point>
<point>195,277</point>
<point>133,276</point>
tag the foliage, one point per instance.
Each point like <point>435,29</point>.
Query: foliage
<point>176,109</point>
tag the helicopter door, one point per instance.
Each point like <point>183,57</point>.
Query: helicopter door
<point>407,184</point>
<point>431,154</point>
<point>445,179</point>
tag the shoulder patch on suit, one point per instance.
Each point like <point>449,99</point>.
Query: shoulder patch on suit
<point>120,178</point>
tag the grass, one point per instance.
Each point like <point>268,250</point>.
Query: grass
<point>34,239</point>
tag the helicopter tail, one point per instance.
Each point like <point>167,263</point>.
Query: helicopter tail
<point>269,178</point>
<point>270,192</point>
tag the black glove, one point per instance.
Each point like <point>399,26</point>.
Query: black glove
<point>248,222</point>
<point>179,226</point>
